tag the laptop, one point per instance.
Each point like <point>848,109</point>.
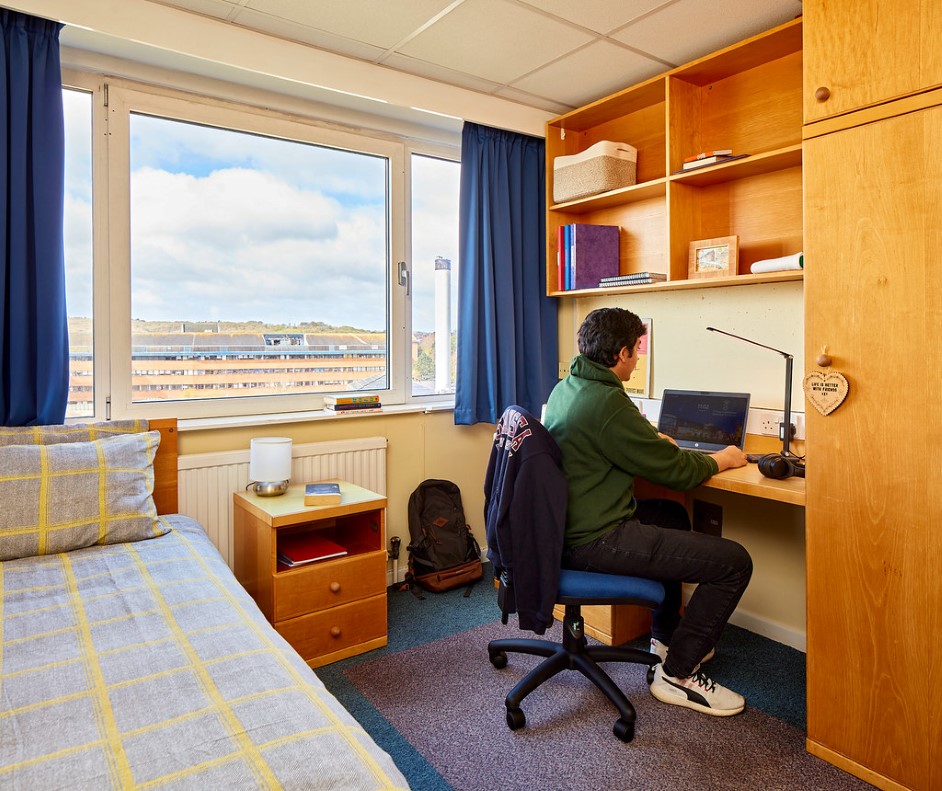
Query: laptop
<point>704,421</point>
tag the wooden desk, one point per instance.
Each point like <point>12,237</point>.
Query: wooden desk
<point>616,624</point>
<point>749,481</point>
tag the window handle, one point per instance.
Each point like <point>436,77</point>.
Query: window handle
<point>404,277</point>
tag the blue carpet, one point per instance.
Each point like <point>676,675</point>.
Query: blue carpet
<point>769,674</point>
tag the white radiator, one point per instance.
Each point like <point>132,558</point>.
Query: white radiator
<point>207,480</point>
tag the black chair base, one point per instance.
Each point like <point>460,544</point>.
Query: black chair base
<point>572,654</point>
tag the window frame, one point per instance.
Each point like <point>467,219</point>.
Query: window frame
<point>113,100</point>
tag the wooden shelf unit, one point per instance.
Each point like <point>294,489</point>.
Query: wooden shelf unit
<point>328,609</point>
<point>747,97</point>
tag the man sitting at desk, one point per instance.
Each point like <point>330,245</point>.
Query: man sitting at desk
<point>606,442</point>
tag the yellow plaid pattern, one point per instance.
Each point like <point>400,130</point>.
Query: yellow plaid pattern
<point>69,432</point>
<point>146,665</point>
<point>66,496</point>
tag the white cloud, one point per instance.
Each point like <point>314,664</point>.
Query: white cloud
<point>253,247</point>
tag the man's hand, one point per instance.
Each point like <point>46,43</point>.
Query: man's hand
<point>729,458</point>
<point>669,439</point>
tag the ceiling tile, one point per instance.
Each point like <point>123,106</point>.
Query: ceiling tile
<point>382,23</point>
<point>688,29</point>
<point>494,39</point>
<point>440,73</point>
<point>220,9</point>
<point>283,28</point>
<point>611,68</point>
<point>522,97</point>
<point>601,16</point>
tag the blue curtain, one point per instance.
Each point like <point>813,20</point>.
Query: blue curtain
<point>507,345</point>
<point>34,342</point>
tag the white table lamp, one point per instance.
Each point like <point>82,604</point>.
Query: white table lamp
<point>270,465</point>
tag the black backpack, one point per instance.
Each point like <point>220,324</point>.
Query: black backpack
<point>443,553</point>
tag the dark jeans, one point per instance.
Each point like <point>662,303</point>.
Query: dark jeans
<point>657,543</point>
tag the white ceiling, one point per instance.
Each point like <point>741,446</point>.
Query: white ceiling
<point>553,55</point>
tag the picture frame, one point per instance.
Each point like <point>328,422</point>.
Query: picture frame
<point>718,257</point>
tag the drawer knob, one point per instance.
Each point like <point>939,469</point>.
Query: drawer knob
<point>822,94</point>
<point>335,587</point>
<point>335,631</point>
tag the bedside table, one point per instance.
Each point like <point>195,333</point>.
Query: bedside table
<point>327,609</point>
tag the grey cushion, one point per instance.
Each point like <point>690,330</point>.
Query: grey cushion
<point>69,432</point>
<point>56,498</point>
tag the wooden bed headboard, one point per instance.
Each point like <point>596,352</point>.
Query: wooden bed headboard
<point>165,465</point>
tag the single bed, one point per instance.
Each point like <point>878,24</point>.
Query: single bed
<point>138,661</point>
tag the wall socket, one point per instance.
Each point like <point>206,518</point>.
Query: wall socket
<point>767,422</point>
<point>563,369</point>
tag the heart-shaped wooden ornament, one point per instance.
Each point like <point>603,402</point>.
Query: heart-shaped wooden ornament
<point>825,391</point>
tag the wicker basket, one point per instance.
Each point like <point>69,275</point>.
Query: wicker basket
<point>600,168</point>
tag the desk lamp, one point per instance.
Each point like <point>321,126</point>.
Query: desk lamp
<point>786,428</point>
<point>270,465</point>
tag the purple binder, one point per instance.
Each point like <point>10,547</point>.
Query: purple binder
<point>594,254</point>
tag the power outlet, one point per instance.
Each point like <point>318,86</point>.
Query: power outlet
<point>563,369</point>
<point>768,423</point>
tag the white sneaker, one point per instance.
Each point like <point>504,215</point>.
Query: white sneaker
<point>657,647</point>
<point>696,692</point>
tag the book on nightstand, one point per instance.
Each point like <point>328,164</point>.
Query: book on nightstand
<point>322,494</point>
<point>308,547</point>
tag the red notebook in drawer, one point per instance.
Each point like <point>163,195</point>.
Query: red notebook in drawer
<point>307,548</point>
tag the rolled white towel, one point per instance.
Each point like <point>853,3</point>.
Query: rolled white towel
<point>796,261</point>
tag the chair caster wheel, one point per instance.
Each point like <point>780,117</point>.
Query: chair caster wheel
<point>515,719</point>
<point>651,674</point>
<point>499,659</point>
<point>624,730</point>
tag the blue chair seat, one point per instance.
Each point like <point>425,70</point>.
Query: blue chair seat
<point>589,587</point>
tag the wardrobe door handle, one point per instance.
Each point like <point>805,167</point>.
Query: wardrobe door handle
<point>822,94</point>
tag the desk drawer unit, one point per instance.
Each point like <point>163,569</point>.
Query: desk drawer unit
<point>304,590</point>
<point>338,632</point>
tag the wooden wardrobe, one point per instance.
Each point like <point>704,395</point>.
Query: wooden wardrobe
<point>872,166</point>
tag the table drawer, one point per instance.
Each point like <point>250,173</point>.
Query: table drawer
<point>337,629</point>
<point>328,584</point>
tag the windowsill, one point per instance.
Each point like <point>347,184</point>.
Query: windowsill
<point>245,421</point>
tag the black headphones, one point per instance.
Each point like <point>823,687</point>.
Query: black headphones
<point>775,465</point>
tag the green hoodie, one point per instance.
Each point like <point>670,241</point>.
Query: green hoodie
<point>606,442</point>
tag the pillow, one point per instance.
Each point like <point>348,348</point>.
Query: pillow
<point>57,498</point>
<point>69,432</point>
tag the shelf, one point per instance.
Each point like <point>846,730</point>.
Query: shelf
<point>620,197</point>
<point>746,97</point>
<point>681,285</point>
<point>758,164</point>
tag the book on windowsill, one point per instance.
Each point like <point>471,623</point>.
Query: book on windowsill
<point>322,494</point>
<point>702,163</point>
<point>351,400</point>
<point>307,547</point>
<point>353,409</point>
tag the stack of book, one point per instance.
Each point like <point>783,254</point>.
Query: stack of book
<point>586,254</point>
<point>636,279</point>
<point>302,548</point>
<point>353,404</point>
<point>705,158</point>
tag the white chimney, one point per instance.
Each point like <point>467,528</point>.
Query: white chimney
<point>442,325</point>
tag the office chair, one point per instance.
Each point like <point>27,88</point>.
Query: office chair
<point>525,516</point>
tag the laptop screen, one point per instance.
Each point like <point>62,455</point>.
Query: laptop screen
<point>704,421</point>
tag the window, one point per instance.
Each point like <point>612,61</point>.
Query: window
<point>77,232</point>
<point>435,190</point>
<point>249,246</point>
<point>250,261</point>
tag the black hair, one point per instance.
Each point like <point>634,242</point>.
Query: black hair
<point>604,333</point>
